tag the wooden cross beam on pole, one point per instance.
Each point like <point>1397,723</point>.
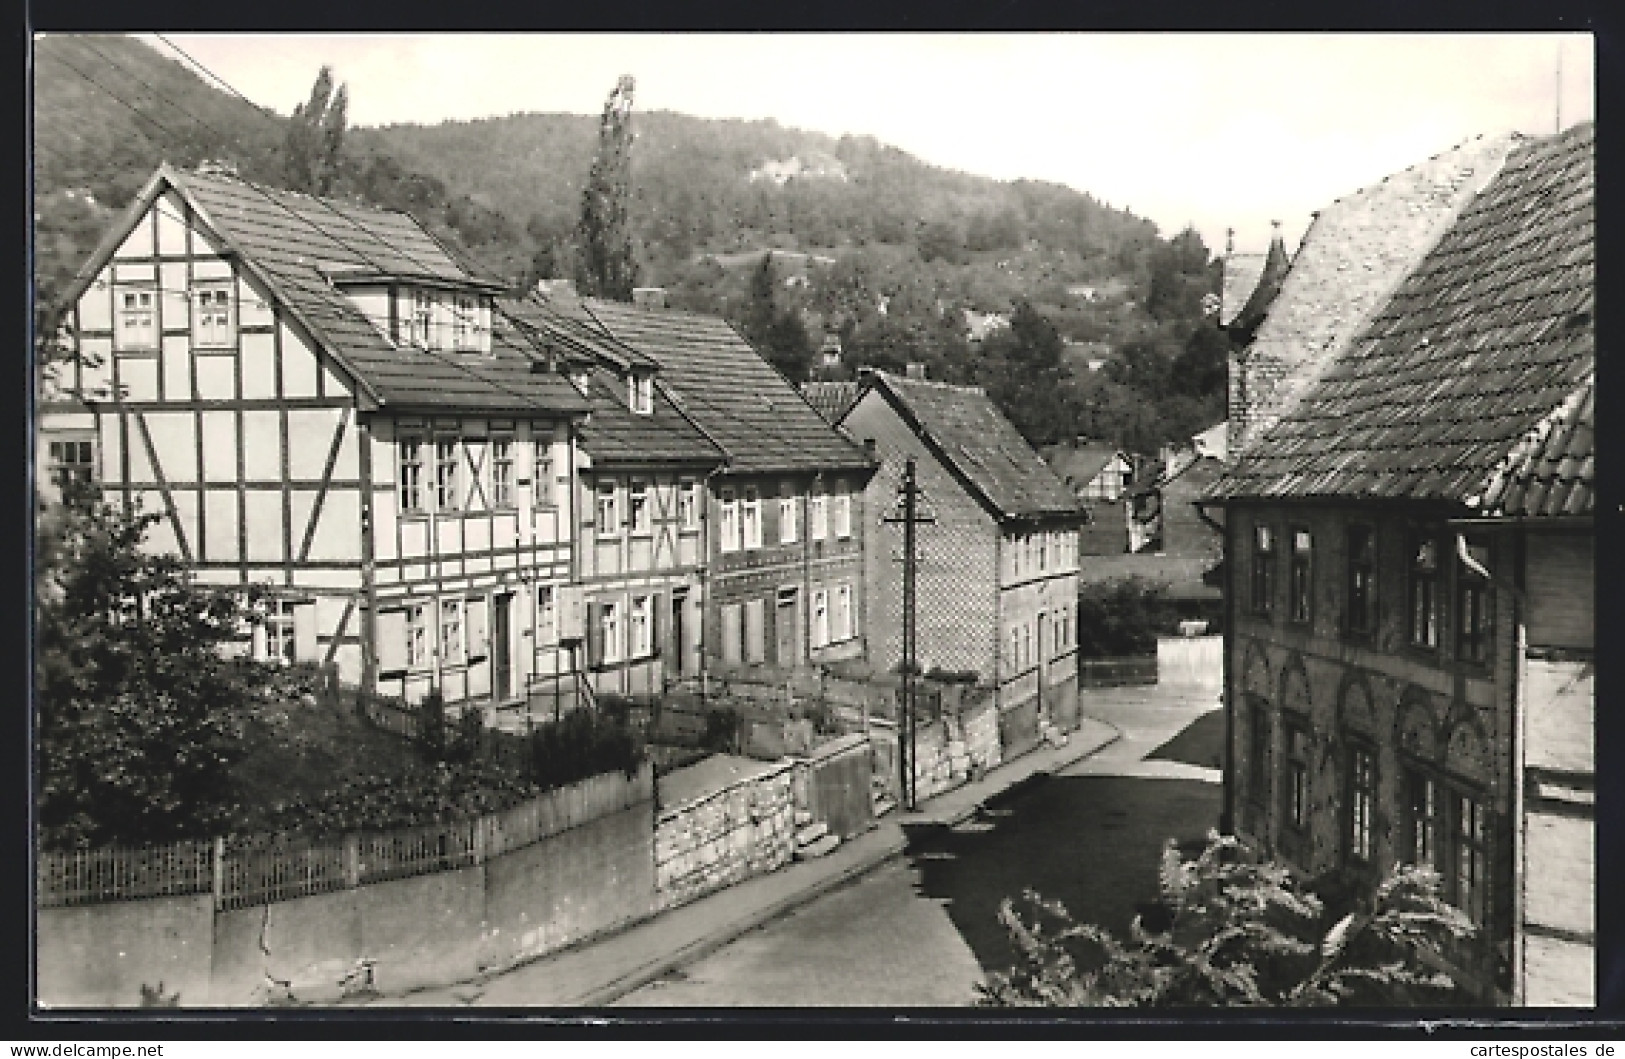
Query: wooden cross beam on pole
<point>909,494</point>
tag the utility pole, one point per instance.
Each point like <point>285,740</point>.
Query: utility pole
<point>909,493</point>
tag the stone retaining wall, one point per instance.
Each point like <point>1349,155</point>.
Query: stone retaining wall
<point>724,837</point>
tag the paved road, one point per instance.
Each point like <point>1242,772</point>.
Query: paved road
<point>923,929</point>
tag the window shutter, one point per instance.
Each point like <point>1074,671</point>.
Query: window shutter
<point>391,644</point>
<point>304,632</point>
<point>755,632</point>
<point>657,623</point>
<point>730,633</point>
<point>595,635</point>
<point>479,632</point>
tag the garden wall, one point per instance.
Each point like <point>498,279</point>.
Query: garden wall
<point>724,837</point>
<point>1191,660</point>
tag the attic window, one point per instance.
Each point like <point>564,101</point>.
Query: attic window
<point>582,380</point>
<point>641,394</point>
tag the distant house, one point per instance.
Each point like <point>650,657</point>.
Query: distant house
<point>998,566</point>
<point>1410,637</point>
<point>785,512</point>
<point>978,326</point>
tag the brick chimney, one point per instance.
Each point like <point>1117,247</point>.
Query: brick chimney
<point>649,297</point>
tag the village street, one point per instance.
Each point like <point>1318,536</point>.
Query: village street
<point>922,929</point>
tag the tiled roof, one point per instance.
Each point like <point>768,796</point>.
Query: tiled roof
<point>831,399</point>
<point>1079,464</point>
<point>1471,383</point>
<point>613,434</point>
<point>297,242</point>
<point>970,433</point>
<point>725,387</point>
<point>1352,257</point>
<point>573,335</point>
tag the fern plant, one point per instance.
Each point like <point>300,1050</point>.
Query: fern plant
<point>1239,931</point>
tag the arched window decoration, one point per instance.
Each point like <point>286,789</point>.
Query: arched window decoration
<point>1416,726</point>
<point>1355,712</point>
<point>1467,748</point>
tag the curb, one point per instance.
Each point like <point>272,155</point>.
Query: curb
<point>698,949</point>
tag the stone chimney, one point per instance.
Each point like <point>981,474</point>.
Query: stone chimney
<point>649,297</point>
<point>914,370</point>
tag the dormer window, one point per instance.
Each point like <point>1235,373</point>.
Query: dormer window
<point>582,380</point>
<point>422,317</point>
<point>641,394</point>
<point>463,322</point>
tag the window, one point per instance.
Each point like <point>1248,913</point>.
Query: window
<point>1424,596</point>
<point>607,517</point>
<point>547,615</point>
<point>544,479</point>
<point>1015,650</point>
<point>417,638</point>
<point>1424,819</point>
<point>452,644</point>
<point>1263,574</point>
<point>788,513</point>
<point>610,624</point>
<point>1043,551</point>
<point>688,505</point>
<point>1296,781</point>
<point>1026,646</point>
<point>842,620</point>
<point>1258,747</point>
<point>582,381</point>
<point>820,617</point>
<point>71,461</point>
<point>422,318</point>
<point>755,631</point>
<point>447,494</point>
<point>640,630</point>
<point>732,633</point>
<point>211,315</point>
<point>1302,584</point>
<point>843,511</point>
<point>1362,591</point>
<point>502,472</point>
<point>729,522</point>
<point>1362,802</point>
<point>817,514</point>
<point>1473,607</point>
<point>1466,887</point>
<point>641,394</point>
<point>279,636</point>
<point>464,318</point>
<point>638,506</point>
<point>135,326</point>
<point>750,517</point>
<point>411,478</point>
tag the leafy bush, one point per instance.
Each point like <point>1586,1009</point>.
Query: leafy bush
<point>431,731</point>
<point>1237,931</point>
<point>1122,618</point>
<point>424,795</point>
<point>582,743</point>
<point>722,725</point>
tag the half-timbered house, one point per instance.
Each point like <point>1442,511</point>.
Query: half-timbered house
<point>318,397</point>
<point>997,574</point>
<point>1409,641</point>
<point>785,512</point>
<point>640,474</point>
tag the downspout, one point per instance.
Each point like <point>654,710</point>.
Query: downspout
<point>1520,715</point>
<point>1227,813</point>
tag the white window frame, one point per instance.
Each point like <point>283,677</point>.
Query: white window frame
<point>453,633</point>
<point>750,518</point>
<point>728,521</point>
<point>448,465</point>
<point>135,324</point>
<point>843,511</point>
<point>820,617</point>
<point>842,621</point>
<point>547,616</point>
<point>64,464</point>
<point>688,505</point>
<point>542,478</point>
<point>464,323</point>
<point>789,504</point>
<point>610,623</point>
<point>280,643</point>
<point>607,509</point>
<point>409,467</point>
<point>818,514</point>
<point>502,493</point>
<point>213,315</point>
<point>421,319</point>
<point>640,397</point>
<point>640,638</point>
<point>417,637</point>
<point>638,508</point>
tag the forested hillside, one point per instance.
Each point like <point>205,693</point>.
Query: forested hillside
<point>871,245</point>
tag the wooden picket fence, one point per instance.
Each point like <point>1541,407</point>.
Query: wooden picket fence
<point>243,871</point>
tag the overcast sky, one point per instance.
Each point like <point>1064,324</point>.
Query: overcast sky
<point>1219,130</point>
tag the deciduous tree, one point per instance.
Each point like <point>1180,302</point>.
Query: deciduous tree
<point>607,267</point>
<point>314,145</point>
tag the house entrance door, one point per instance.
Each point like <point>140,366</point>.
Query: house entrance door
<point>502,647</point>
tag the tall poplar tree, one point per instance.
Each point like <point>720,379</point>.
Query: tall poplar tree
<point>606,266</point>
<point>315,137</point>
